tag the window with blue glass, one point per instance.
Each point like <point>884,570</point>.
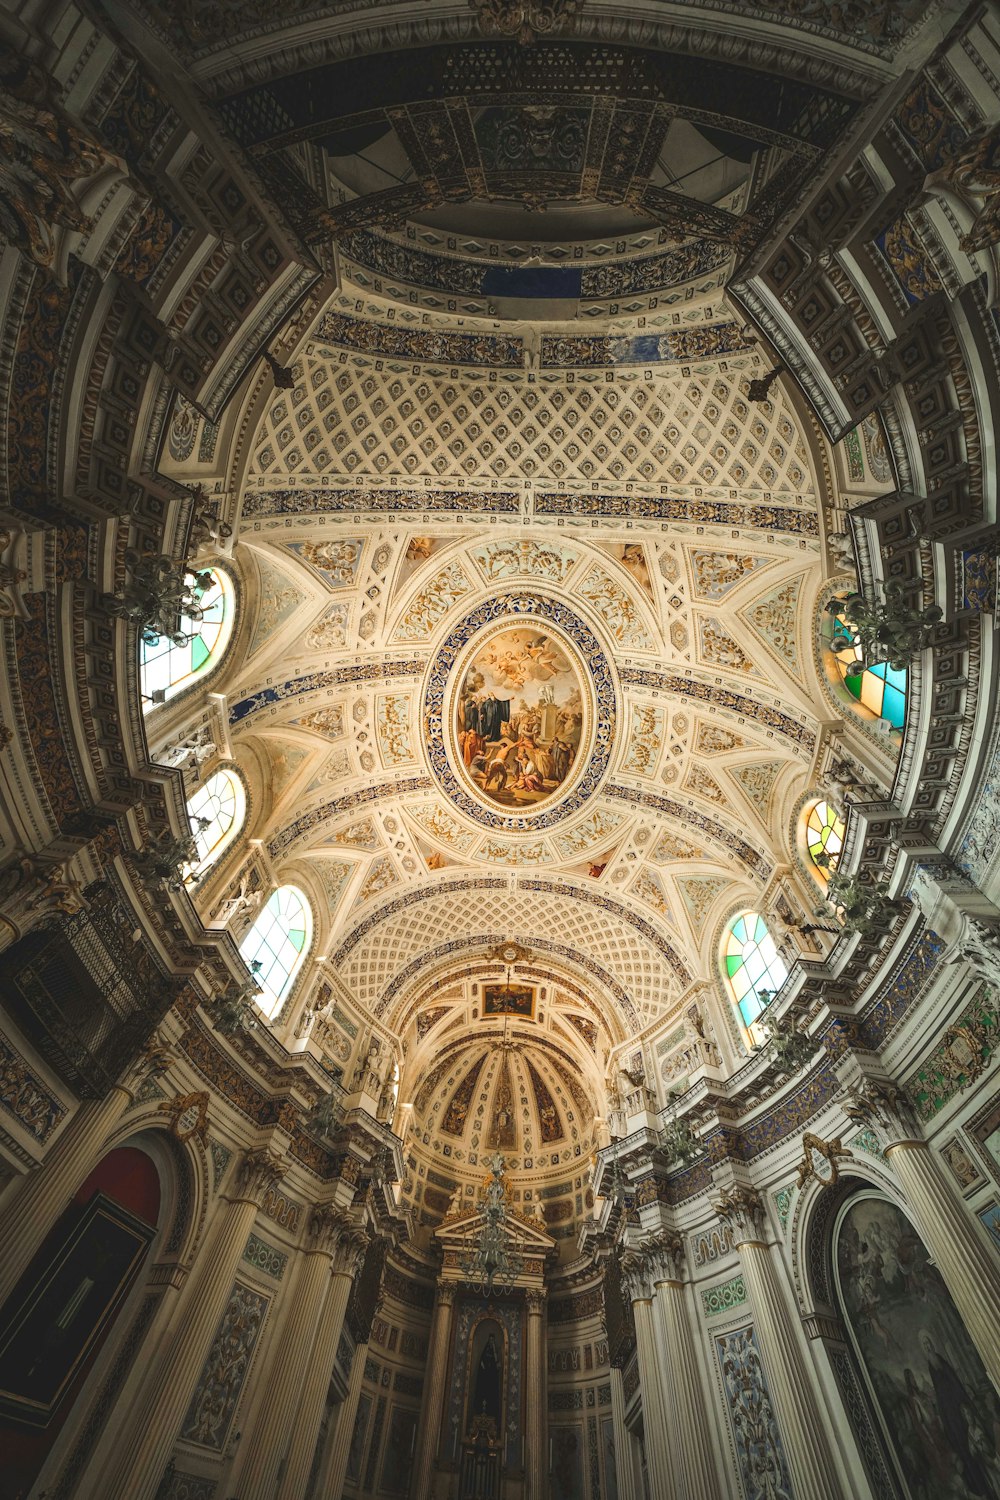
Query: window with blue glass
<point>754,969</point>
<point>880,689</point>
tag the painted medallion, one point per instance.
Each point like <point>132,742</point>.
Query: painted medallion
<point>519,713</point>
<point>519,717</point>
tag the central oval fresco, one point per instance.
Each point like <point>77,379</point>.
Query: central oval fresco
<point>519,713</point>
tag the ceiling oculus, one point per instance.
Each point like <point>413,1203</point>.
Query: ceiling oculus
<point>519,713</point>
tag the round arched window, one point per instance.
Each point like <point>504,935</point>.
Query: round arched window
<point>278,941</point>
<point>824,830</point>
<point>222,803</point>
<point>168,666</point>
<point>753,968</point>
<point>879,692</point>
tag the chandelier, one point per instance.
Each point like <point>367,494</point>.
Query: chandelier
<point>493,1265</point>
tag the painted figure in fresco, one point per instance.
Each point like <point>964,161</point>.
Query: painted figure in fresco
<point>939,1409</point>
<point>954,1404</point>
<point>528,741</point>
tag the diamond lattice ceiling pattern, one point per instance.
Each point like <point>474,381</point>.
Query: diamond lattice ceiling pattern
<point>389,505</point>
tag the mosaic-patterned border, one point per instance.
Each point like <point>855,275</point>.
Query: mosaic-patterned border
<point>294,502</point>
<point>310,682</point>
<point>494,611</point>
<point>738,703</point>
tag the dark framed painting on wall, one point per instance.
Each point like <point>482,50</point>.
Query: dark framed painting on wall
<point>61,1315</point>
<point>356,1453</point>
<point>933,1401</point>
<point>566,1462</point>
<point>400,1445</point>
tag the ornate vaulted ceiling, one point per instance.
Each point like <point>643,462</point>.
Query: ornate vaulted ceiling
<point>529,584</point>
<point>614,527</point>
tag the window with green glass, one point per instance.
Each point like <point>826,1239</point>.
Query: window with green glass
<point>753,967</point>
<point>825,831</point>
<point>881,689</point>
<point>278,941</point>
<point>167,667</point>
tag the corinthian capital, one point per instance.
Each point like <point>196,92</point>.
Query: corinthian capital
<point>741,1209</point>
<point>155,1058</point>
<point>535,1300</point>
<point>879,1105</point>
<point>258,1171</point>
<point>636,1268</point>
<point>665,1252</point>
<point>349,1250</point>
<point>326,1224</point>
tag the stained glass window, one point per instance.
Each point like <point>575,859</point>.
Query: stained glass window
<point>824,834</point>
<point>222,801</point>
<point>166,669</point>
<point>881,689</point>
<point>752,964</point>
<point>278,941</point>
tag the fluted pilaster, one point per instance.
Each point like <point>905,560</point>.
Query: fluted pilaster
<point>806,1449</point>
<point>636,1268</point>
<point>347,1251</point>
<point>434,1392</point>
<point>330,1484</point>
<point>255,1475</point>
<point>44,1193</point>
<point>966,1267</point>
<point>697,1478</point>
<point>624,1466</point>
<point>536,1433</point>
<point>136,1468</point>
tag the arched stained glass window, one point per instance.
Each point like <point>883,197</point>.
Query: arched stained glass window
<point>166,668</point>
<point>824,835</point>
<point>278,941</point>
<point>752,964</point>
<point>881,689</point>
<point>221,800</point>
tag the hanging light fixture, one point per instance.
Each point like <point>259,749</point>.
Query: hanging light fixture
<point>493,1265</point>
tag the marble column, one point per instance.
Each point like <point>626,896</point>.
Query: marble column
<point>789,1379</point>
<point>697,1477</point>
<point>624,1463</point>
<point>145,1444</point>
<point>333,1471</point>
<point>967,1269</point>
<point>536,1426</point>
<point>432,1407</point>
<point>255,1474</point>
<point>635,1269</point>
<point>315,1372</point>
<point>46,1191</point>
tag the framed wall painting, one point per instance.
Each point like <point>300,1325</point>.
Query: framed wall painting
<point>73,1299</point>
<point>984,1132</point>
<point>356,1453</point>
<point>397,1456</point>
<point>989,1217</point>
<point>960,1164</point>
<point>933,1398</point>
